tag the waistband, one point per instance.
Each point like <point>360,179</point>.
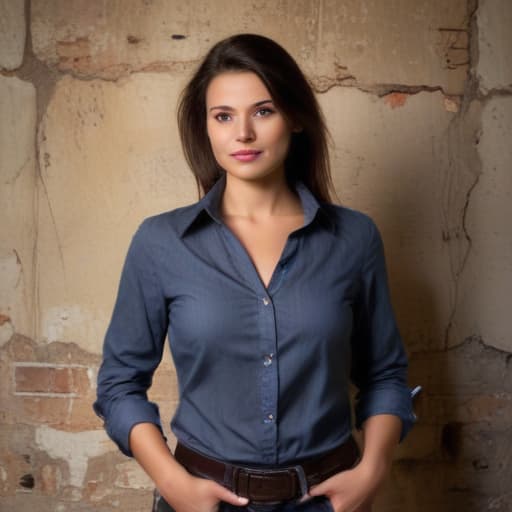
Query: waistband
<point>270,485</point>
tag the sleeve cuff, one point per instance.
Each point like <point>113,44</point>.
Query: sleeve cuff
<point>386,400</point>
<point>125,415</point>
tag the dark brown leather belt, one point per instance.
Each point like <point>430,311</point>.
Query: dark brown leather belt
<point>270,485</point>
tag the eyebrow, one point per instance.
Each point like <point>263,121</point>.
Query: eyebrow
<point>227,107</point>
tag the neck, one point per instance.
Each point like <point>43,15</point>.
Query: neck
<point>259,198</point>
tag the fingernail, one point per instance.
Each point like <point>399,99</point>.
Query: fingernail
<point>243,501</point>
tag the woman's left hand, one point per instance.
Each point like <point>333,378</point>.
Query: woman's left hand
<point>352,490</point>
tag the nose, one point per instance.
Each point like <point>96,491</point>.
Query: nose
<point>245,130</point>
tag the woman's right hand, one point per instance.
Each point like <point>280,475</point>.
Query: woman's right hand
<point>183,491</point>
<point>199,495</point>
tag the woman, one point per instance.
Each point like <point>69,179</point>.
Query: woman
<point>273,299</point>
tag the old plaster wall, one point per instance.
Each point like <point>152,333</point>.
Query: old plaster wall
<point>418,97</point>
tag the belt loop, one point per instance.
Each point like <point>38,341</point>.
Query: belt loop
<point>240,482</point>
<point>302,479</point>
<point>234,479</point>
<point>229,477</point>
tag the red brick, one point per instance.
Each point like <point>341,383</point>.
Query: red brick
<point>80,382</point>
<point>396,99</point>
<point>52,411</point>
<point>33,379</point>
<point>50,479</point>
<point>62,380</point>
<point>51,379</point>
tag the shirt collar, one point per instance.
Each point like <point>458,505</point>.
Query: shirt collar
<point>210,204</point>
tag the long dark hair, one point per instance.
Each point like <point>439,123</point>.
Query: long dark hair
<point>308,156</point>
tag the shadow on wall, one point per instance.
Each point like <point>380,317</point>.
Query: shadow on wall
<point>458,454</point>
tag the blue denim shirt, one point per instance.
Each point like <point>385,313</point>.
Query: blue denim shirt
<point>263,373</point>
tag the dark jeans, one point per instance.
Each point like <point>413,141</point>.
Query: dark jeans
<point>317,504</point>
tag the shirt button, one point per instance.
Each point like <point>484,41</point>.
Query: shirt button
<point>267,360</point>
<point>269,418</point>
<point>266,302</point>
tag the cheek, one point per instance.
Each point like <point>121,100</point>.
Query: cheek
<point>218,137</point>
<point>281,137</point>
<point>214,138</point>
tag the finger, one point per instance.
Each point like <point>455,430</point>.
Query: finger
<point>319,490</point>
<point>229,497</point>
<point>305,498</point>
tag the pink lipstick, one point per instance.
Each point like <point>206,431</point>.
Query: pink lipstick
<point>246,155</point>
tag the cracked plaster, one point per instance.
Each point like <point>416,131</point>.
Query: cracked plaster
<point>17,192</point>
<point>109,156</point>
<point>445,288</point>
<point>410,140</point>
<point>334,43</point>
<point>494,68</point>
<point>76,448</point>
<point>484,304</point>
<point>145,170</point>
<point>12,33</point>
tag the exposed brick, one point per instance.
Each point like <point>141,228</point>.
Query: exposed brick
<point>50,479</point>
<point>396,99</point>
<point>81,415</point>
<point>12,469</point>
<point>131,476</point>
<point>74,54</point>
<point>21,348</point>
<point>51,379</point>
<point>80,382</point>
<point>45,410</point>
<point>62,380</point>
<point>32,379</point>
<point>64,412</point>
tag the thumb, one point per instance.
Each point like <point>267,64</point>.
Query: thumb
<point>229,497</point>
<point>318,490</point>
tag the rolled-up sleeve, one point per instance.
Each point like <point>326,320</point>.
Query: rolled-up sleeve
<point>133,346</point>
<point>379,361</point>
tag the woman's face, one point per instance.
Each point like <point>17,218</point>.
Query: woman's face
<point>248,135</point>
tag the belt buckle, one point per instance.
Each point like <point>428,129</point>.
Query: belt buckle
<point>302,479</point>
<point>241,478</point>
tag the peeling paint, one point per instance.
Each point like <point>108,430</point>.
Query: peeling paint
<point>102,61</point>
<point>6,333</point>
<point>74,54</point>
<point>76,448</point>
<point>63,323</point>
<point>452,104</point>
<point>132,476</point>
<point>10,275</point>
<point>396,99</point>
<point>317,33</point>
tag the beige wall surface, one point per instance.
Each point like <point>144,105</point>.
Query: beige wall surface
<point>418,99</point>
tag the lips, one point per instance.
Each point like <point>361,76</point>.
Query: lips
<point>246,155</point>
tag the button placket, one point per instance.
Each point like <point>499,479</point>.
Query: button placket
<point>269,377</point>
